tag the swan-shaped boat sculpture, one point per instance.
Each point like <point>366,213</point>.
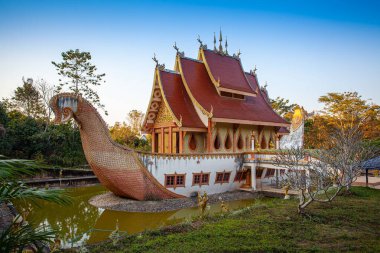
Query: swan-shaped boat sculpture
<point>117,167</point>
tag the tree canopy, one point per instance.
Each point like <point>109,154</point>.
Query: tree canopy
<point>27,99</point>
<point>283,107</point>
<point>342,111</point>
<point>78,74</point>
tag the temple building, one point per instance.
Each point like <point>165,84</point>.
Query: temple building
<point>210,105</point>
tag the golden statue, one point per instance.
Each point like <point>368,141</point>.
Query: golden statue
<point>286,189</point>
<point>202,201</point>
<point>297,118</point>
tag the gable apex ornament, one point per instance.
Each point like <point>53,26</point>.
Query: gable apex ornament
<point>199,40</point>
<point>253,72</point>
<point>175,46</point>
<point>159,66</point>
<point>237,55</point>
<point>182,54</point>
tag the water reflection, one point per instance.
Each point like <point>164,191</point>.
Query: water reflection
<point>81,222</point>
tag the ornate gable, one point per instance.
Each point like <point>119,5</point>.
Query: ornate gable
<point>163,115</point>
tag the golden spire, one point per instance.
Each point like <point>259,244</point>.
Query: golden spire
<point>214,42</point>
<point>220,41</point>
<point>226,45</point>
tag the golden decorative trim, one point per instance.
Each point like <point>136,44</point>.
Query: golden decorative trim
<point>249,122</point>
<point>193,129</point>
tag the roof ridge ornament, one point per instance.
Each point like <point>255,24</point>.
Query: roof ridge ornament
<point>155,59</point>
<point>203,46</point>
<point>182,54</point>
<point>159,66</point>
<point>237,55</point>
<point>199,40</point>
<point>220,41</point>
<point>253,72</point>
<point>175,47</point>
<point>214,42</point>
<point>226,45</point>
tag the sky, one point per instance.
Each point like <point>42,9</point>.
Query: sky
<point>302,49</point>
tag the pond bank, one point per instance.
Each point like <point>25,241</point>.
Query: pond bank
<point>112,202</point>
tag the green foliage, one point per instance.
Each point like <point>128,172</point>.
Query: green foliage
<point>11,189</point>
<point>29,138</point>
<point>125,135</point>
<point>283,107</point>
<point>20,234</point>
<point>17,236</point>
<point>78,74</point>
<point>28,100</point>
<point>135,119</point>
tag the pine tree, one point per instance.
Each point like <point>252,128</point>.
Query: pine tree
<point>78,74</point>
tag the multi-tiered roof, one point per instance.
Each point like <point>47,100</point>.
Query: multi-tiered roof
<point>214,86</point>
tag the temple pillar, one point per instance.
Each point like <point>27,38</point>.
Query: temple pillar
<point>153,141</point>
<point>162,140</point>
<point>277,142</point>
<point>180,141</point>
<point>253,177</point>
<point>209,136</point>
<point>170,140</point>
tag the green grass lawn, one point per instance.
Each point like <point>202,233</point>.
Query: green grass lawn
<point>350,223</point>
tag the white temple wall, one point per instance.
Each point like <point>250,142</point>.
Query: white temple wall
<point>161,166</point>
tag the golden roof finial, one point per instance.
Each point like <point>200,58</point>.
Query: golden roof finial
<point>220,41</point>
<point>214,42</point>
<point>199,40</point>
<point>175,47</point>
<point>226,45</point>
<point>155,59</point>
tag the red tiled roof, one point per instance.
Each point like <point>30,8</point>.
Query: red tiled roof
<point>178,100</point>
<point>203,90</point>
<point>228,71</point>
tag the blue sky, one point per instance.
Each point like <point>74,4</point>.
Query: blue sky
<point>303,49</point>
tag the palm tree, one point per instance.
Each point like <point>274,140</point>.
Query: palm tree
<point>20,234</point>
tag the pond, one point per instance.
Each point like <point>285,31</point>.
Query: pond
<point>81,222</point>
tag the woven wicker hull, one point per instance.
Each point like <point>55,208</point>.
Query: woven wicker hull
<point>117,167</point>
<point>134,184</point>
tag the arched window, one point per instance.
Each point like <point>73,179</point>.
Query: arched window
<point>227,141</point>
<point>240,142</point>
<point>217,141</point>
<point>192,142</point>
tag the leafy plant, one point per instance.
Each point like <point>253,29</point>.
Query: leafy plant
<point>21,234</point>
